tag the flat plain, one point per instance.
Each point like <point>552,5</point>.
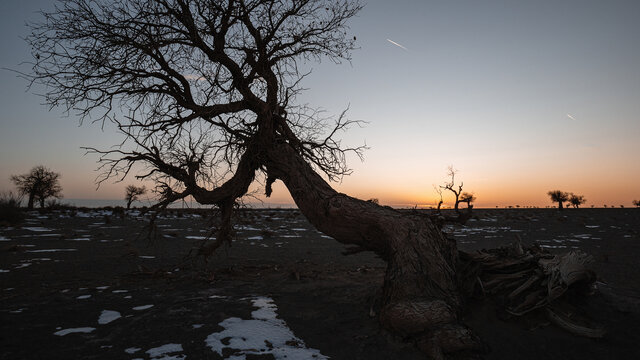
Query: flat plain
<point>91,284</point>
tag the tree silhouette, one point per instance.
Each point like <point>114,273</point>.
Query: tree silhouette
<point>451,187</point>
<point>38,185</point>
<point>439,192</point>
<point>204,92</point>
<point>132,193</point>
<point>636,203</point>
<point>459,197</point>
<point>576,200</point>
<point>559,197</point>
<point>468,198</point>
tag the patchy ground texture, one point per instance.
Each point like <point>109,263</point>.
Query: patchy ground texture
<point>91,284</point>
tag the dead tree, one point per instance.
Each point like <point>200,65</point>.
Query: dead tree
<point>460,217</point>
<point>204,93</point>
<point>132,193</point>
<point>439,192</point>
<point>451,187</point>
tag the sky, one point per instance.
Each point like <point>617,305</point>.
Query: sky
<point>521,97</point>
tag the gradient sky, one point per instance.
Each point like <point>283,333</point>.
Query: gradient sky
<point>521,97</point>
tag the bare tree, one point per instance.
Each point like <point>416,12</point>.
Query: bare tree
<point>439,192</point>
<point>576,200</point>
<point>460,196</point>
<point>451,187</point>
<point>132,193</point>
<point>204,92</point>
<point>559,197</point>
<point>39,184</point>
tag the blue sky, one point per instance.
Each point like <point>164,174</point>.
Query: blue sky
<point>520,96</point>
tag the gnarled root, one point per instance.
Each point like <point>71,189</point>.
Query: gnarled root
<point>432,324</point>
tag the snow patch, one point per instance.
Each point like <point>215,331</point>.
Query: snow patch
<point>263,334</point>
<point>108,316</point>
<point>50,250</point>
<point>132,350</point>
<point>143,307</point>
<point>36,229</point>
<point>82,330</point>
<point>164,350</point>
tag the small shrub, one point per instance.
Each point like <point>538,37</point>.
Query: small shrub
<point>10,211</point>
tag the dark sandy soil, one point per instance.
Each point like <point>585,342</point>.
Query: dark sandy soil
<point>93,275</point>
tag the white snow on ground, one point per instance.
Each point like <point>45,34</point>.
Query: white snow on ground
<point>246,228</point>
<point>255,238</point>
<point>83,330</point>
<point>79,239</point>
<point>82,297</point>
<point>4,271</point>
<point>36,228</point>
<point>582,236</point>
<point>132,350</point>
<point>196,237</point>
<point>263,334</point>
<point>2,238</point>
<point>162,352</point>
<point>50,250</point>
<point>146,257</point>
<point>143,307</point>
<point>108,316</point>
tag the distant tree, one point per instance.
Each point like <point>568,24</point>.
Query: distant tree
<point>459,197</point>
<point>636,203</point>
<point>451,187</point>
<point>439,192</point>
<point>468,198</point>
<point>133,193</point>
<point>576,200</point>
<point>559,197</point>
<point>39,184</point>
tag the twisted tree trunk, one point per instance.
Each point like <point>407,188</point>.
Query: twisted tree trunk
<point>420,297</point>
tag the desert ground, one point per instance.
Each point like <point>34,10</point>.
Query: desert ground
<point>92,284</point>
